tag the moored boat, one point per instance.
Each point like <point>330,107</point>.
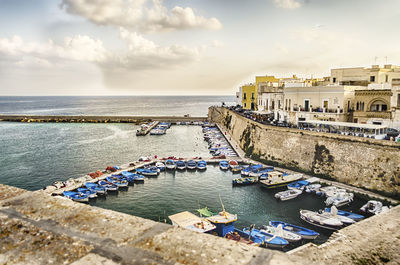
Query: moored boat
<point>288,194</point>
<point>76,196</point>
<point>160,166</point>
<point>201,165</point>
<point>191,165</point>
<point>180,165</point>
<point>278,231</point>
<point>108,185</point>
<point>312,188</point>
<point>95,187</point>
<point>245,181</point>
<point>320,220</point>
<point>299,185</point>
<point>278,179</point>
<point>374,207</point>
<point>339,199</point>
<point>90,193</point>
<point>240,236</point>
<point>334,213</point>
<point>350,215</point>
<point>301,231</point>
<point>146,172</point>
<point>269,240</point>
<point>117,182</point>
<point>224,165</point>
<point>233,164</point>
<point>170,164</point>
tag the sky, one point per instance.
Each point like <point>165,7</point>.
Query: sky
<point>185,47</point>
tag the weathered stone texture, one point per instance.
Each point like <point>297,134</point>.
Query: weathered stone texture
<point>366,163</point>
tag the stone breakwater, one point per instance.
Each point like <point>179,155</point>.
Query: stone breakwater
<point>97,119</point>
<point>366,163</point>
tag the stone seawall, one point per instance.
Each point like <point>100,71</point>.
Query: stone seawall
<point>361,162</point>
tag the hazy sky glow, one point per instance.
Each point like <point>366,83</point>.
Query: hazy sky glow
<point>192,47</point>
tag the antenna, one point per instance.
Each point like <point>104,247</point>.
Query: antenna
<point>223,207</point>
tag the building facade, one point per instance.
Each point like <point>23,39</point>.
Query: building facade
<point>249,97</point>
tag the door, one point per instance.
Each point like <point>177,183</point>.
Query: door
<point>306,105</point>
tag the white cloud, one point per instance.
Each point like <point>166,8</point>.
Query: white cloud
<point>140,53</point>
<point>139,15</point>
<point>288,4</point>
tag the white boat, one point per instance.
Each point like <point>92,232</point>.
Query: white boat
<point>339,199</point>
<point>312,188</point>
<point>278,231</point>
<point>374,207</point>
<point>320,220</point>
<point>170,164</point>
<point>288,194</point>
<point>334,214</point>
<point>160,166</point>
<point>330,191</point>
<point>192,222</point>
<point>233,164</point>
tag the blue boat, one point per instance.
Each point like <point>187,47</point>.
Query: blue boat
<point>246,171</point>
<point>76,196</point>
<point>268,239</point>
<point>160,166</point>
<point>202,165</point>
<point>301,231</point>
<point>300,184</point>
<point>146,172</point>
<point>224,165</point>
<point>108,185</point>
<point>117,182</point>
<point>95,187</point>
<point>170,164</point>
<point>90,193</point>
<point>245,181</point>
<point>354,216</point>
<point>191,164</point>
<point>129,176</point>
<point>181,165</point>
<point>138,177</point>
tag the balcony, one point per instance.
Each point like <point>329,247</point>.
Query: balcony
<point>318,110</point>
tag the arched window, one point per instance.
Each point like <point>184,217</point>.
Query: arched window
<point>378,105</point>
<point>358,106</point>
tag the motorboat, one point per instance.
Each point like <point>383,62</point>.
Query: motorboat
<point>239,236</point>
<point>299,185</point>
<point>90,193</point>
<point>245,171</point>
<point>95,187</point>
<point>224,165</point>
<point>191,164</point>
<point>278,231</point>
<point>180,165</point>
<point>245,181</point>
<point>160,166</point>
<point>334,213</point>
<point>312,188</point>
<point>255,171</point>
<point>201,165</point>
<point>374,207</point>
<point>108,185</point>
<point>321,220</point>
<point>76,196</point>
<point>339,199</point>
<point>330,191</point>
<point>350,215</point>
<point>269,240</point>
<point>288,194</point>
<point>305,233</point>
<point>170,164</point>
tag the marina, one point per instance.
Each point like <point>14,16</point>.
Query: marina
<point>211,175</point>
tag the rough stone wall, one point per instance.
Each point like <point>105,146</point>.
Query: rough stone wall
<point>365,163</point>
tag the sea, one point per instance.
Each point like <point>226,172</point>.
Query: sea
<point>34,155</point>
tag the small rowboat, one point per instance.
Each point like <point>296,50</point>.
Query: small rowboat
<point>76,196</point>
<point>301,231</point>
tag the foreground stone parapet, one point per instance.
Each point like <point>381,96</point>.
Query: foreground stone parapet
<point>40,229</point>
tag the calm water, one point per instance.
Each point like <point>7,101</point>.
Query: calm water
<point>35,155</point>
<point>121,105</point>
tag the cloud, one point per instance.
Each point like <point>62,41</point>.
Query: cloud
<point>78,48</point>
<point>140,53</point>
<point>141,15</point>
<point>287,4</point>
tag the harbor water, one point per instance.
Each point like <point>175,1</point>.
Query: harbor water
<point>35,155</point>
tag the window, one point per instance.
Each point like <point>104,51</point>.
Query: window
<point>244,96</point>
<point>387,79</point>
<point>252,95</point>
<point>325,104</point>
<point>379,105</point>
<point>398,100</point>
<point>372,78</point>
<point>245,105</point>
<point>306,105</point>
<point>334,80</point>
<point>290,104</point>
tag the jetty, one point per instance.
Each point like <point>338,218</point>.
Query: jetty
<point>145,130</point>
<point>99,119</point>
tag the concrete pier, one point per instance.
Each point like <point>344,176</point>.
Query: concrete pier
<point>97,119</point>
<point>146,131</point>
